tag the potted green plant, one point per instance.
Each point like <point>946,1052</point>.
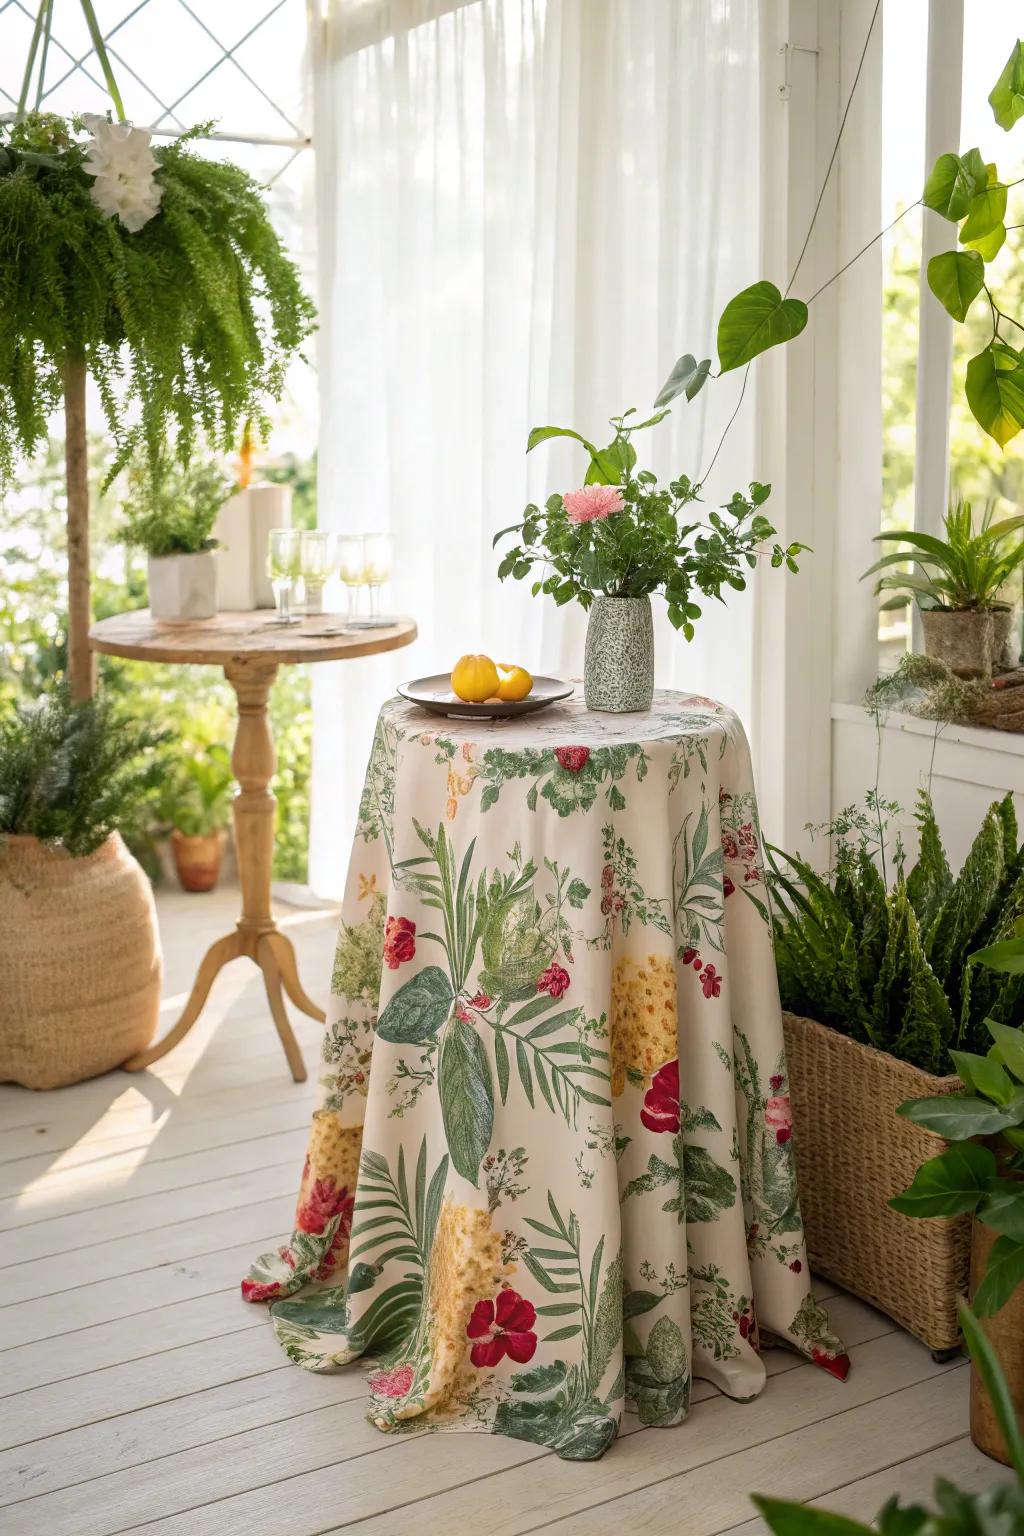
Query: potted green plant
<point>981,1171</point>
<point>80,966</point>
<point>155,271</point>
<point>997,1511</point>
<point>876,984</point>
<point>620,538</point>
<point>959,585</point>
<point>198,812</point>
<point>170,513</point>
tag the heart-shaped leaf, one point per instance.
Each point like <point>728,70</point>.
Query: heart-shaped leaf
<point>1003,1273</point>
<point>948,1184</point>
<point>956,278</point>
<point>954,180</point>
<point>957,1117</point>
<point>687,376</point>
<point>417,1010</point>
<point>989,246</point>
<point>985,213</point>
<point>543,434</point>
<point>995,391</point>
<point>467,1098</point>
<point>756,319</point>
<point>1007,95</point>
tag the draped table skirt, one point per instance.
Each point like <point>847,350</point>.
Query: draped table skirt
<point>551,1174</point>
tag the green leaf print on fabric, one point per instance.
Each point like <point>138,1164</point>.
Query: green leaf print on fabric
<point>572,1419</point>
<point>377,802</point>
<point>568,778</point>
<point>658,1373</point>
<point>467,1098</point>
<point>768,1167</point>
<point>698,904</point>
<point>357,962</point>
<point>720,1320</point>
<point>515,948</point>
<point>418,1009</point>
<point>623,899</point>
<point>703,1187</point>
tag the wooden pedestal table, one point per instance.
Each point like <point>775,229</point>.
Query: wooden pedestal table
<point>250,647</point>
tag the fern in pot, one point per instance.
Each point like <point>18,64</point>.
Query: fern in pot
<point>619,539</point>
<point>197,809</point>
<point>80,967</point>
<point>875,975</point>
<point>170,515</point>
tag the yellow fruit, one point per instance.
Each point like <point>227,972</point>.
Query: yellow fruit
<point>514,683</point>
<point>474,679</point>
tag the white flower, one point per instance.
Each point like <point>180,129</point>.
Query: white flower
<point>122,164</point>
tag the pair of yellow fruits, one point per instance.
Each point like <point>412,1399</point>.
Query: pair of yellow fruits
<point>476,679</point>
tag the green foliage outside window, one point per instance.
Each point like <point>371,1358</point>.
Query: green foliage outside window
<point>194,704</point>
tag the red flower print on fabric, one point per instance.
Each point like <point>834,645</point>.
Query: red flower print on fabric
<point>661,1101</point>
<point>778,1116</point>
<point>836,1365</point>
<point>711,981</point>
<point>480,1000</point>
<point>691,957</point>
<point>572,759</point>
<point>391,1383</point>
<point>399,941</point>
<point>730,848</point>
<point>324,1201</point>
<point>555,981</point>
<point>727,886</point>
<point>776,1081</point>
<point>502,1327</point>
<point>252,1290</point>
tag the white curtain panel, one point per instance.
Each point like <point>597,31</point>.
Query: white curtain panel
<point>527,210</point>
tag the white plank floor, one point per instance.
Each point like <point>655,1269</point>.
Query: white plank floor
<point>139,1393</point>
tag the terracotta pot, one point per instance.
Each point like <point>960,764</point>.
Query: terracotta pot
<point>961,637</point>
<point>80,967</point>
<point>1006,1331</point>
<point>853,1153</point>
<point>198,859</point>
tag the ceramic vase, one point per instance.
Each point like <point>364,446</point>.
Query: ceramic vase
<point>183,587</point>
<point>618,670</point>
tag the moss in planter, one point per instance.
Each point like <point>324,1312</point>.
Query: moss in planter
<point>890,967</point>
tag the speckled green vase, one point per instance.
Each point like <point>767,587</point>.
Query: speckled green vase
<point>618,670</point>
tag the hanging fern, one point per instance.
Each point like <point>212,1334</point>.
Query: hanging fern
<point>890,968</point>
<point>186,325</point>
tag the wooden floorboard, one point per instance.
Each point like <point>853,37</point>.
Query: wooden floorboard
<point>139,1393</point>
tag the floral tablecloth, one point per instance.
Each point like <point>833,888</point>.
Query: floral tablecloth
<point>552,1171</point>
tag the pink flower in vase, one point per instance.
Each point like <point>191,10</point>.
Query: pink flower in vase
<point>592,502</point>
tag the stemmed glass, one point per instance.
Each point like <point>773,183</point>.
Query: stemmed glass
<point>350,560</point>
<point>314,567</point>
<point>377,568</point>
<point>283,569</point>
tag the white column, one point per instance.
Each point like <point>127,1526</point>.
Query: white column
<point>935,349</point>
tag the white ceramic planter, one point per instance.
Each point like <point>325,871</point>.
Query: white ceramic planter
<point>183,587</point>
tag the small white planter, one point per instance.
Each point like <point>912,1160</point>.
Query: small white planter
<point>183,587</point>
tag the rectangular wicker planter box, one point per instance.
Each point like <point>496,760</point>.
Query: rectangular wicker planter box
<point>853,1152</point>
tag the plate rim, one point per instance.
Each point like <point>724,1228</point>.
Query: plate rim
<point>485,710</point>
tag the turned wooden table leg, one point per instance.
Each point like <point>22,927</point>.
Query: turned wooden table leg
<point>256,935</point>
<point>254,761</point>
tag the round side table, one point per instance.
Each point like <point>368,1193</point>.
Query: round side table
<point>250,647</point>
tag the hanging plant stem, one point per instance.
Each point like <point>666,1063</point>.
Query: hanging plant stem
<point>101,54</point>
<point>26,79</point>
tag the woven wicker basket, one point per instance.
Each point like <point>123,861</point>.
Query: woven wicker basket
<point>80,967</point>
<point>853,1153</point>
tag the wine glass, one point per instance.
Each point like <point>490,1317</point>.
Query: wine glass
<point>377,568</point>
<point>350,559</point>
<point>283,569</point>
<point>314,567</point>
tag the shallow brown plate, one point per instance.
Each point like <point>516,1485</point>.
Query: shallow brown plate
<point>435,694</point>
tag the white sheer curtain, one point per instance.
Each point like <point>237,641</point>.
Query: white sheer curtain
<point>527,210</point>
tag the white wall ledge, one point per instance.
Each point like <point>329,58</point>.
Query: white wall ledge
<point>1009,742</point>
